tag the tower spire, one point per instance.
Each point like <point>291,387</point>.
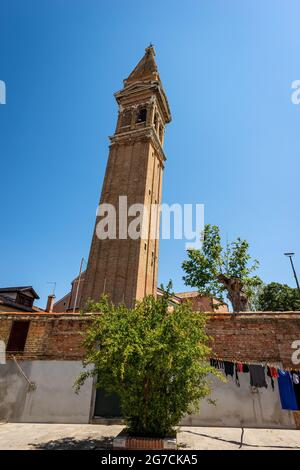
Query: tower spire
<point>145,70</point>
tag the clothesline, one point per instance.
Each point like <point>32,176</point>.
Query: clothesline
<point>288,379</point>
<point>260,363</point>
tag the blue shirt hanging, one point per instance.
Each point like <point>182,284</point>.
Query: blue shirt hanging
<point>286,391</point>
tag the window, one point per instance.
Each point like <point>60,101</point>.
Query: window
<point>126,118</point>
<point>141,115</point>
<point>24,300</point>
<point>18,336</point>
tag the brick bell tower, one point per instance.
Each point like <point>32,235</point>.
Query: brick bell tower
<point>126,269</point>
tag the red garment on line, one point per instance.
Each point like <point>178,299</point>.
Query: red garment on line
<point>274,372</point>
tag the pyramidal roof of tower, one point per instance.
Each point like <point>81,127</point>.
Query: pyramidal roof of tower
<point>145,70</point>
<point>146,74</point>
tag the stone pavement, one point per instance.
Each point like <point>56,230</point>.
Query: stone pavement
<point>90,436</point>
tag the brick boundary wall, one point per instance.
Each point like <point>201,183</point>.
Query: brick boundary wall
<point>265,337</point>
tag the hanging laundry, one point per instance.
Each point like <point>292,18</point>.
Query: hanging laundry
<point>237,380</point>
<point>286,391</point>
<point>228,368</point>
<point>274,372</point>
<point>296,386</point>
<point>213,362</point>
<point>216,363</point>
<point>245,368</point>
<point>269,374</point>
<point>295,377</point>
<point>257,376</point>
<point>239,366</point>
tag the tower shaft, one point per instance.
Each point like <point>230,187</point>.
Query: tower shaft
<point>123,267</point>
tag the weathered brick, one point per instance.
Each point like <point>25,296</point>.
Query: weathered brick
<point>246,338</point>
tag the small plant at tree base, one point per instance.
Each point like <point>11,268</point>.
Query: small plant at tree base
<point>214,270</point>
<point>153,357</point>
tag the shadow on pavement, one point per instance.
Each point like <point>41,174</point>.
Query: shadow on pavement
<point>71,443</point>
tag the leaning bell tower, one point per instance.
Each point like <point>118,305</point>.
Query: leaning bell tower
<point>126,268</point>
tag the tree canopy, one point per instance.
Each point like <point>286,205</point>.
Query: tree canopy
<point>215,270</point>
<point>153,357</point>
<point>275,297</point>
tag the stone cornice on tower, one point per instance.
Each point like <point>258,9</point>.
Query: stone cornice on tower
<point>146,133</point>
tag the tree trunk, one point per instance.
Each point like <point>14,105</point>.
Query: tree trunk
<point>239,299</point>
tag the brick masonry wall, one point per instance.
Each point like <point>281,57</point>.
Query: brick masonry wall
<point>255,337</point>
<point>56,337</point>
<point>247,337</point>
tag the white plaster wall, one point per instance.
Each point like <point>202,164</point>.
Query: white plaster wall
<point>240,407</point>
<point>53,401</point>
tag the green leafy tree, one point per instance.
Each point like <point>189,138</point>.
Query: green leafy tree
<point>153,357</point>
<point>215,270</point>
<point>275,297</point>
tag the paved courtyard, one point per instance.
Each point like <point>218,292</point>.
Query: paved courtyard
<point>88,436</point>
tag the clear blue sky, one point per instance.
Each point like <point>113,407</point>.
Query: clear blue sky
<point>233,144</point>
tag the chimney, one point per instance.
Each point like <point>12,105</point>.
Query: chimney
<point>50,303</point>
